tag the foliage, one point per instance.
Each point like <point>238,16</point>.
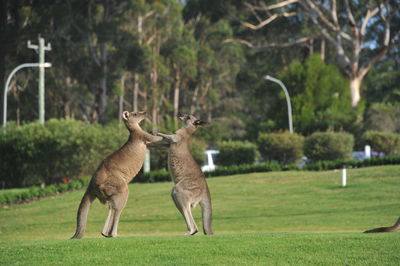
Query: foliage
<point>386,142</point>
<point>319,95</point>
<point>197,149</point>
<point>382,85</point>
<point>338,164</point>
<point>237,152</point>
<point>243,169</point>
<point>35,192</point>
<point>321,146</point>
<point>281,147</point>
<point>383,117</point>
<point>34,153</point>
<point>153,176</point>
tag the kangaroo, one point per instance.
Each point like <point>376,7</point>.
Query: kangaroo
<point>190,184</point>
<point>110,181</point>
<point>392,228</point>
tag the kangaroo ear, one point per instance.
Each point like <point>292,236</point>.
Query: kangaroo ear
<point>199,122</point>
<point>125,115</point>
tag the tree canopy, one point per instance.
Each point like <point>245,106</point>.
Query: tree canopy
<point>338,60</point>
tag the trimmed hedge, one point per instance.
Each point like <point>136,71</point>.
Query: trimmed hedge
<point>386,142</point>
<point>236,153</point>
<point>152,177</point>
<point>323,146</point>
<point>244,169</point>
<point>375,161</point>
<point>281,147</point>
<point>163,175</point>
<point>34,154</point>
<point>39,192</point>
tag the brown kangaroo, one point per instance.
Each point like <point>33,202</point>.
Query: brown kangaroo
<point>190,184</point>
<point>392,228</point>
<point>110,181</point>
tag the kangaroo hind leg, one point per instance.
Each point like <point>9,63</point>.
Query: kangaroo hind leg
<point>183,205</point>
<point>206,212</point>
<point>117,204</point>
<point>107,225</point>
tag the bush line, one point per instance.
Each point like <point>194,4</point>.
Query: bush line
<point>163,175</point>
<point>36,192</point>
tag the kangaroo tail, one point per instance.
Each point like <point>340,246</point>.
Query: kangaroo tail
<point>392,228</point>
<point>83,211</point>
<point>206,211</point>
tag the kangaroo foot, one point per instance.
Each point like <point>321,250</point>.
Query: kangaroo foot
<point>189,233</point>
<point>108,235</point>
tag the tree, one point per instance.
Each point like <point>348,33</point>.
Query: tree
<point>181,53</point>
<point>319,95</point>
<point>360,32</point>
<point>97,22</point>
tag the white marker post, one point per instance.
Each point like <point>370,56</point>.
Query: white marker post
<point>344,177</point>
<point>146,164</point>
<point>367,150</point>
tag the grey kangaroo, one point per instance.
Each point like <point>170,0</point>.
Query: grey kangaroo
<point>190,185</point>
<point>392,228</point>
<point>110,181</point>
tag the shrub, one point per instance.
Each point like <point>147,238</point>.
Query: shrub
<point>243,169</point>
<point>383,117</point>
<point>281,147</point>
<point>237,152</point>
<point>33,154</point>
<point>328,146</point>
<point>386,142</point>
<point>328,165</point>
<point>153,176</point>
<point>197,149</point>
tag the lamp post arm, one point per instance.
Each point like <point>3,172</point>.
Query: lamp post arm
<point>289,105</point>
<point>8,83</point>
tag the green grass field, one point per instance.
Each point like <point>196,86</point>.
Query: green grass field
<point>263,218</point>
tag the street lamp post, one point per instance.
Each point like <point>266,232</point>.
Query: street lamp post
<point>41,65</point>
<point>289,105</point>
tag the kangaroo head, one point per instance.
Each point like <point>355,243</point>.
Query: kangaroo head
<point>133,118</point>
<point>191,120</point>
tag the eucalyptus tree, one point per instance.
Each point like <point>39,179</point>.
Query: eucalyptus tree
<point>360,32</point>
<point>98,23</point>
<point>181,54</point>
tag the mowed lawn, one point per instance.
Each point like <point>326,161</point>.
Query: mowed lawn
<point>261,218</point>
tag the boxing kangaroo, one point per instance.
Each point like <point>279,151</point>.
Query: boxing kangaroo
<point>110,181</point>
<point>392,228</point>
<point>190,185</point>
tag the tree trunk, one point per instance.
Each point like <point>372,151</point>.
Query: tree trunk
<point>176,97</point>
<point>67,102</point>
<point>322,51</point>
<point>135,92</point>
<point>103,84</point>
<point>194,104</point>
<point>121,99</point>
<point>355,85</point>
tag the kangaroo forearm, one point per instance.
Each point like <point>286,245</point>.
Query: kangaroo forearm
<point>151,138</point>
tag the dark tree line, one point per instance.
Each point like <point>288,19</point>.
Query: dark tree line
<point>206,57</point>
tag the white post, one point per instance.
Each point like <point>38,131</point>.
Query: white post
<point>146,164</point>
<point>41,48</point>
<point>367,150</point>
<point>343,177</point>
